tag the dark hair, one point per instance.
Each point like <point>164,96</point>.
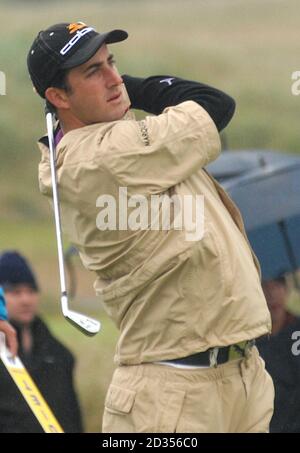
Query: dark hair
<point>61,81</point>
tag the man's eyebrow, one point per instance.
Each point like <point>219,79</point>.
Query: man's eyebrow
<point>98,65</point>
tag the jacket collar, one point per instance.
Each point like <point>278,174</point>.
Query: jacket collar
<point>44,139</point>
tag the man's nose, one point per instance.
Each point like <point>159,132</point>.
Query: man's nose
<point>25,298</point>
<point>113,77</point>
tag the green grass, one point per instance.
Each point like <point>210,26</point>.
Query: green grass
<point>94,366</point>
<point>248,49</point>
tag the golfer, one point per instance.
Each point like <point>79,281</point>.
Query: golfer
<point>185,295</point>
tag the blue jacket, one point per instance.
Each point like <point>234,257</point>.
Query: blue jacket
<point>3,311</point>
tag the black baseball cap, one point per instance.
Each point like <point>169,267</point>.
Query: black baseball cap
<point>64,46</point>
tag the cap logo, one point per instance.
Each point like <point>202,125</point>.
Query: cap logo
<point>76,26</point>
<point>79,34</point>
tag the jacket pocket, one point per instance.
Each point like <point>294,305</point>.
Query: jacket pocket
<point>119,400</point>
<point>117,417</point>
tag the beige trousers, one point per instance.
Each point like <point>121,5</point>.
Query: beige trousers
<point>236,397</point>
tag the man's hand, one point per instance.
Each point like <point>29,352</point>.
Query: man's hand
<point>10,335</point>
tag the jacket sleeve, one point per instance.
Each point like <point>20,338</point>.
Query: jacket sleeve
<point>154,94</point>
<point>3,310</point>
<point>154,154</point>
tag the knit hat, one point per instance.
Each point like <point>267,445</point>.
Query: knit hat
<point>15,270</point>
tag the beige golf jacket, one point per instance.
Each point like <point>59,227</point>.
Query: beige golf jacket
<point>170,297</point>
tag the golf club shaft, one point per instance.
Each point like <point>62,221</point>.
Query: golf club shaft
<point>87,325</point>
<point>64,300</point>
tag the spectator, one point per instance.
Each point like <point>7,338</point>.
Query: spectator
<point>281,361</point>
<point>49,363</point>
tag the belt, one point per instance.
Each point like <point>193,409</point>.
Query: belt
<point>216,356</point>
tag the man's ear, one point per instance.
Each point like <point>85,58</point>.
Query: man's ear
<point>57,97</point>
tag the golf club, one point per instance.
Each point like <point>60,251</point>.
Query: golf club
<point>87,325</point>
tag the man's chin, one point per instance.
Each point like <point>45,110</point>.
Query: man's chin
<point>118,114</point>
<point>25,320</point>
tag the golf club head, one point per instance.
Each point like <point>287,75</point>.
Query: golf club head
<point>87,325</point>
